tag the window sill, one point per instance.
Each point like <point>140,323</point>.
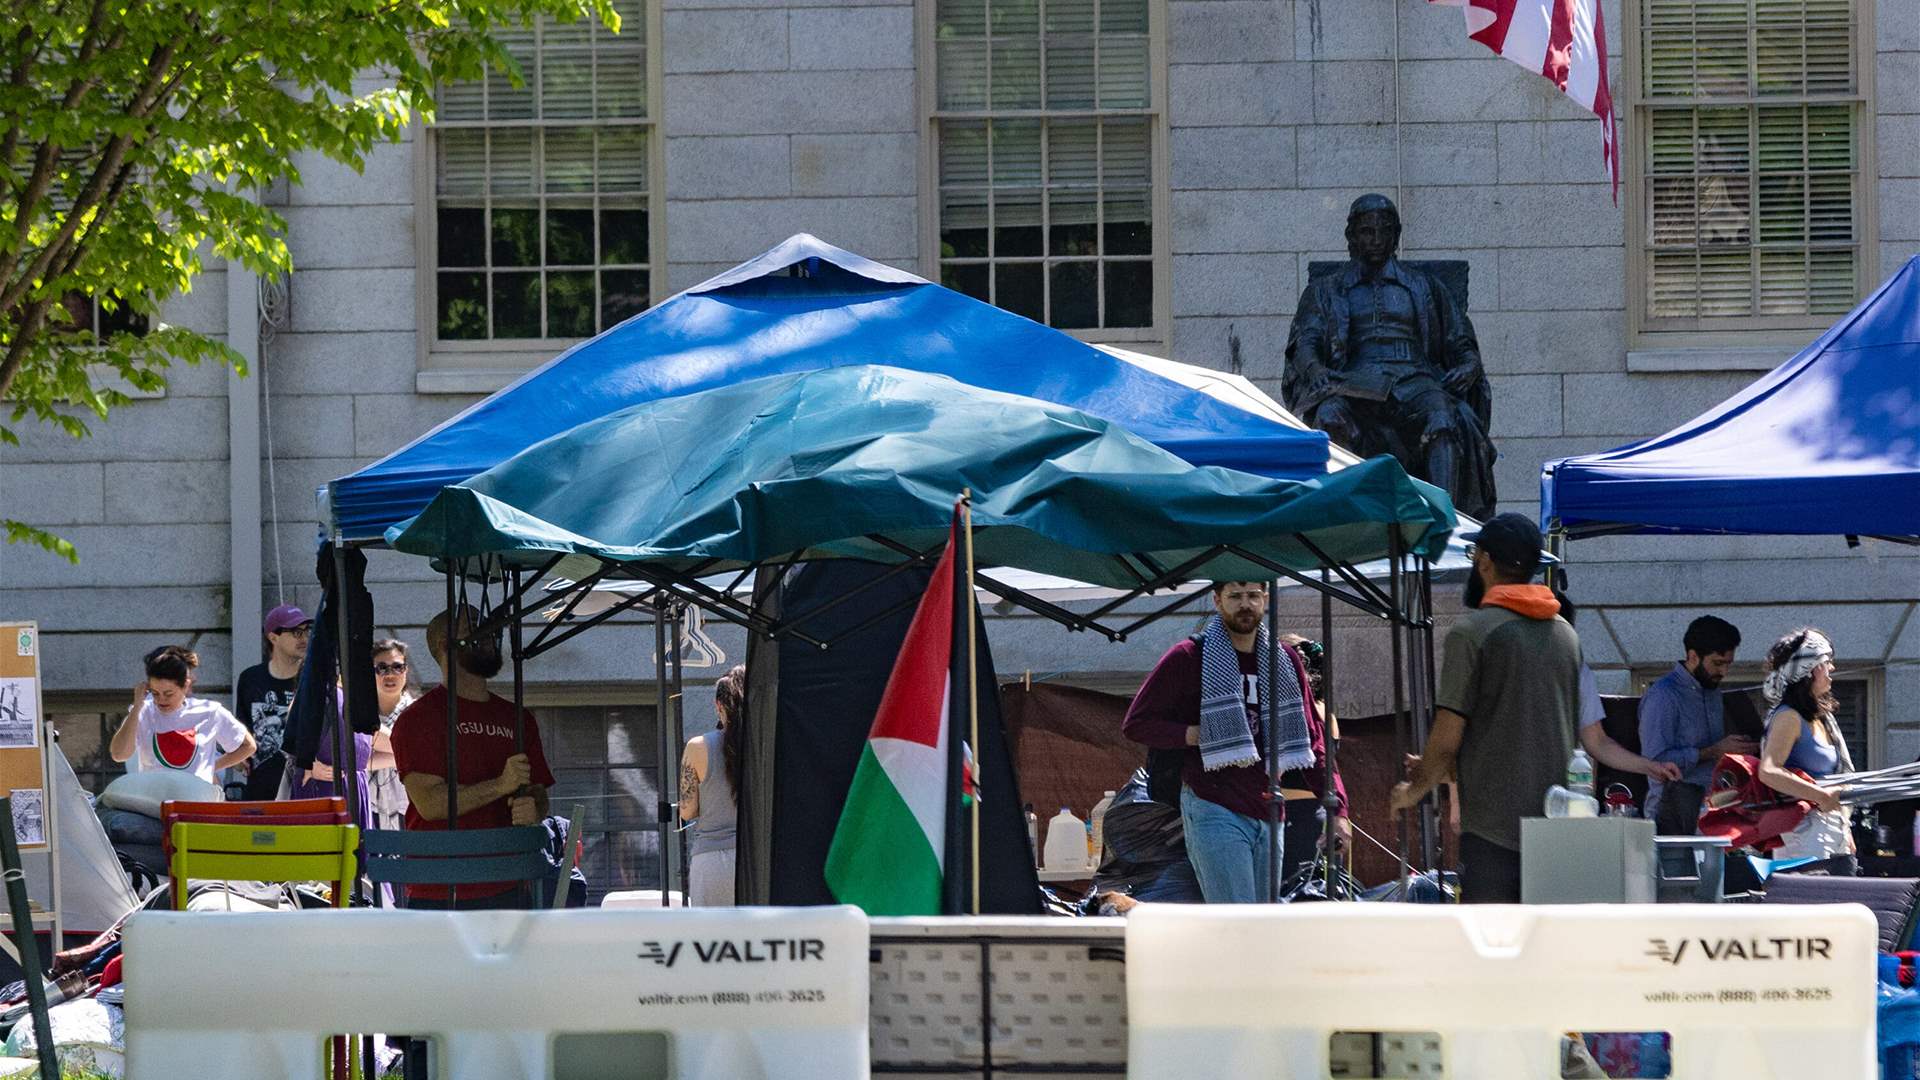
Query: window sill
<point>1720,358</point>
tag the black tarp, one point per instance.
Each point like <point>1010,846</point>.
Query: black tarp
<point>826,700</point>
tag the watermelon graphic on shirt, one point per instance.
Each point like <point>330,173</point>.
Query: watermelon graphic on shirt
<point>174,749</point>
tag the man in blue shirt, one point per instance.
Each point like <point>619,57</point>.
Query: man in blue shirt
<point>1683,722</point>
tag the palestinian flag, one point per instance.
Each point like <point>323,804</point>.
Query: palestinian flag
<point>890,849</point>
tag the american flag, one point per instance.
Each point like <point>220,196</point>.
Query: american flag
<point>1563,40</point>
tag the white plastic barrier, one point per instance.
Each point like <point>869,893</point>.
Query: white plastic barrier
<point>1755,992</point>
<point>641,898</point>
<point>686,994</point>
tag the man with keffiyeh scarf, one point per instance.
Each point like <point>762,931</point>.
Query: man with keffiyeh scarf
<point>1208,696</point>
<point>1506,710</point>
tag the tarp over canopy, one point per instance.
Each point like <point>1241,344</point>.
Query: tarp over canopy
<point>802,306</point>
<point>819,464</point>
<point>1827,443</point>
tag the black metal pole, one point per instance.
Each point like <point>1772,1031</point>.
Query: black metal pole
<point>1430,810</point>
<point>663,805</point>
<point>27,945</point>
<point>1329,799</point>
<point>678,742</point>
<point>519,670</point>
<point>1275,801</point>
<point>1401,724</point>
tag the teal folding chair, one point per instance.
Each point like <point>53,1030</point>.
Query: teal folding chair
<point>463,857</point>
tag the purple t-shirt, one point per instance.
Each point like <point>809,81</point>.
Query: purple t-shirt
<point>306,787</point>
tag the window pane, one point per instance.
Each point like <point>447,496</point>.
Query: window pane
<point>623,159</point>
<point>1129,293</point>
<point>566,71</point>
<point>1070,17</point>
<point>506,101</point>
<point>569,236</point>
<point>569,159</point>
<point>1073,153</point>
<point>1070,80</point>
<point>516,305</point>
<point>963,153</point>
<point>963,225</point>
<point>1014,17</point>
<point>1129,223</point>
<point>1123,16</point>
<point>621,87</point>
<point>1016,223</point>
<point>969,278</point>
<point>623,294</point>
<point>1123,73</point>
<point>116,317</point>
<point>1125,158</point>
<point>1016,74</point>
<point>516,236</point>
<point>960,18</point>
<point>1018,288</point>
<point>963,73</point>
<point>460,167</point>
<point>463,306</point>
<point>1076,303</point>
<point>461,236</point>
<point>510,161</point>
<point>570,304</point>
<point>1071,226</point>
<point>623,236</point>
<point>1016,152</point>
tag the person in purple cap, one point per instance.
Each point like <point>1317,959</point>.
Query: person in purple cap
<point>263,692</point>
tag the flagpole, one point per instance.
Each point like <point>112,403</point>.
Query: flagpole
<point>973,692</point>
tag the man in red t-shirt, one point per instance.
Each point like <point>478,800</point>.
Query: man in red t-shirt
<point>498,787</point>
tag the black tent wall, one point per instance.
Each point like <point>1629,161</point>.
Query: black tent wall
<point>822,708</point>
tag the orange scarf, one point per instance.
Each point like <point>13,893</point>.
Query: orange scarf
<point>1533,601</point>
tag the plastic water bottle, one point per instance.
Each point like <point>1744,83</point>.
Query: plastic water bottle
<point>1033,834</point>
<point>1097,819</point>
<point>1580,773</point>
<point>1562,803</point>
<point>1066,842</point>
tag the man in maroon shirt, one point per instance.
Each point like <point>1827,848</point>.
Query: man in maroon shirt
<point>1224,810</point>
<point>499,786</point>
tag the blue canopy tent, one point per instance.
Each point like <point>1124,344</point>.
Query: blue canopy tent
<point>802,306</point>
<point>1827,443</point>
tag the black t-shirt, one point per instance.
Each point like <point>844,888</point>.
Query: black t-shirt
<point>260,702</point>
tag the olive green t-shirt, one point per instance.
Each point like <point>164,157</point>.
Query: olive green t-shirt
<point>1517,682</point>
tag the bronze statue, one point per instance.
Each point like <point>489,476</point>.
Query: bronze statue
<point>1382,358</point>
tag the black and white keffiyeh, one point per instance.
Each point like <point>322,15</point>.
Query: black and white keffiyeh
<point>1226,736</point>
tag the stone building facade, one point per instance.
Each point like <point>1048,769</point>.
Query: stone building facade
<point>1157,173</point>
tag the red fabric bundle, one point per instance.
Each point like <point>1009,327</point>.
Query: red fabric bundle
<point>1741,807</point>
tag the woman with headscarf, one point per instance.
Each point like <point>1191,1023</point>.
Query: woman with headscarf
<point>1803,738</point>
<point>710,793</point>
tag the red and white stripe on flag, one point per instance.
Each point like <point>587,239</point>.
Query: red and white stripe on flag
<point>1563,40</point>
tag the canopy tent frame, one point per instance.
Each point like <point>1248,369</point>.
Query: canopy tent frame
<point>1408,611</point>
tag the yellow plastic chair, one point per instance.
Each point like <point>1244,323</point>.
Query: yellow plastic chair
<point>263,852</point>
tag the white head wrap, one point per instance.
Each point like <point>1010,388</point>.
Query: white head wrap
<point>1813,652</point>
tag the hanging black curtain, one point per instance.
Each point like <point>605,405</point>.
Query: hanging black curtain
<point>824,704</point>
<point>314,700</point>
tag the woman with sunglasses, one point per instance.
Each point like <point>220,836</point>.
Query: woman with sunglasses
<point>393,678</point>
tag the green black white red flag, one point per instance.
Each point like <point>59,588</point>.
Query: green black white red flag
<point>898,833</point>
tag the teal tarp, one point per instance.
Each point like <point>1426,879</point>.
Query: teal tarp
<point>817,463</point>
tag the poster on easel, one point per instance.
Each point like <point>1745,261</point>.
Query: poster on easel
<point>23,764</point>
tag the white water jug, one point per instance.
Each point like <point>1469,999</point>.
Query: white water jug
<point>1066,842</point>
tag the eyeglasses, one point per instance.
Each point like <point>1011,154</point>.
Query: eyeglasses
<point>390,669</point>
<point>302,630</point>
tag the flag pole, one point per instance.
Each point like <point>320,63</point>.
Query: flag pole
<point>973,694</point>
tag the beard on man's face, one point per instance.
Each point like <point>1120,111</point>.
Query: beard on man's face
<point>1241,620</point>
<point>1476,589</point>
<point>482,658</point>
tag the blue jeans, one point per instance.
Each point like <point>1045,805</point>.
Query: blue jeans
<point>1228,851</point>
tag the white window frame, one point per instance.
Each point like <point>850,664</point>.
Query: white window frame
<point>1754,342</point>
<point>1154,338</point>
<point>479,367</point>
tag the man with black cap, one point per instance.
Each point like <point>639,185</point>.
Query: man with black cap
<point>263,693</point>
<point>1507,707</point>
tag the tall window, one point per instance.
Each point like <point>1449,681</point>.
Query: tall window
<point>541,213</point>
<point>1045,122</point>
<point>1748,117</point>
<point>606,761</point>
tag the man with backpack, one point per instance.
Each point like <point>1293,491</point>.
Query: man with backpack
<point>1201,713</point>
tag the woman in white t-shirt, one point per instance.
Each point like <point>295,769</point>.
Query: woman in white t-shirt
<point>168,728</point>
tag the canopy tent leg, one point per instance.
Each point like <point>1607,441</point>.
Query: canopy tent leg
<point>1275,800</point>
<point>1430,819</point>
<point>664,804</point>
<point>1401,725</point>
<point>1330,739</point>
<point>678,741</point>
